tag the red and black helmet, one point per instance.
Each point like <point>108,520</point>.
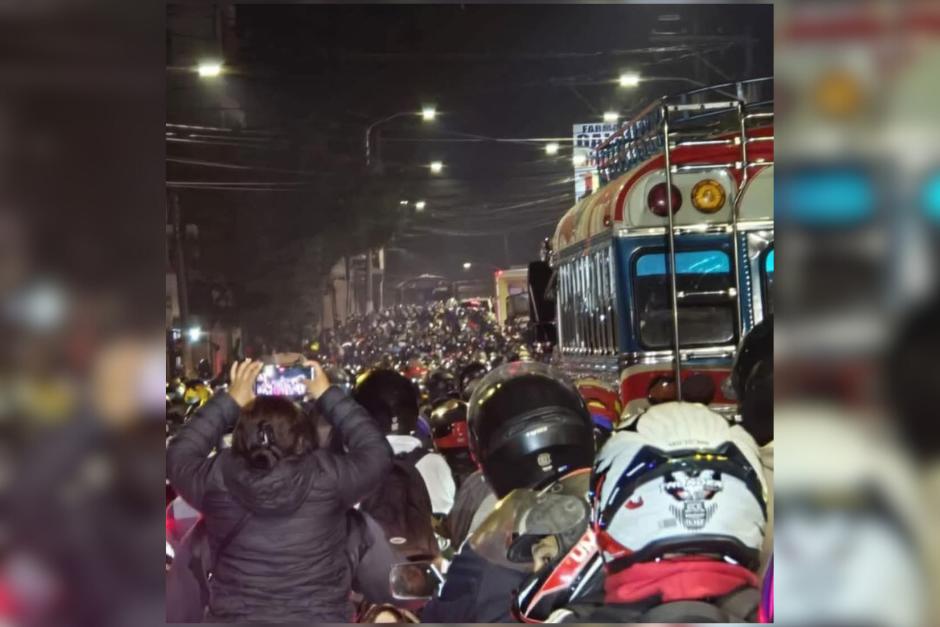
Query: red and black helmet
<point>449,425</point>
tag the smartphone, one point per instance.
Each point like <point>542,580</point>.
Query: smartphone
<point>283,381</point>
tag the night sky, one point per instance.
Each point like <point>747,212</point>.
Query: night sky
<point>314,77</point>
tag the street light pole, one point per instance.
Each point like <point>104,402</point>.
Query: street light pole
<point>427,114</point>
<point>370,306</point>
<point>182,288</point>
<point>378,168</point>
<point>369,136</point>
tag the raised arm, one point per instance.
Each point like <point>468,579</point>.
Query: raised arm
<point>187,456</point>
<point>368,454</point>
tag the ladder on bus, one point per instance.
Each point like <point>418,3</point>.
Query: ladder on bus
<point>696,119</point>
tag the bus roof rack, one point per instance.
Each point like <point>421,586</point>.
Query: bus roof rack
<point>694,117</point>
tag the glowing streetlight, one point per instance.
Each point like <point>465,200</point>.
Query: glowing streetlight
<point>551,149</point>
<point>436,167</point>
<point>209,69</point>
<point>427,114</point>
<point>467,265</point>
<point>630,79</point>
<point>194,334</point>
<point>611,116</point>
<point>403,203</point>
<point>420,205</point>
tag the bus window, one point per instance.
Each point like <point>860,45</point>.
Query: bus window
<point>517,305</point>
<point>767,280</point>
<point>931,198</point>
<point>704,323</point>
<point>826,197</point>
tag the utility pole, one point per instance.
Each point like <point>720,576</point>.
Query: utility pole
<point>369,283</point>
<point>346,301</point>
<point>382,278</point>
<point>181,283</point>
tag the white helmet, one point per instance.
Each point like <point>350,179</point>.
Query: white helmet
<point>682,480</point>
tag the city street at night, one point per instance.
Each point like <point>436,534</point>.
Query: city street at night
<point>440,280</point>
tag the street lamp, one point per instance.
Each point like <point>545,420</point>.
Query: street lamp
<point>420,205</point>
<point>551,149</point>
<point>403,203</point>
<point>629,79</point>
<point>467,265</point>
<point>436,167</point>
<point>209,69</point>
<point>194,334</point>
<point>611,116</point>
<point>427,114</point>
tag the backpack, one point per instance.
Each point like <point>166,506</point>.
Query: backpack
<point>187,581</point>
<point>402,507</point>
<point>740,606</point>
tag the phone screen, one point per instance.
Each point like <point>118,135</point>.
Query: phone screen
<point>283,381</point>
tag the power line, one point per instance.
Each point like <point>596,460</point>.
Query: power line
<point>181,140</point>
<point>219,129</point>
<point>239,183</point>
<point>535,56</point>
<point>221,188</point>
<point>233,166</point>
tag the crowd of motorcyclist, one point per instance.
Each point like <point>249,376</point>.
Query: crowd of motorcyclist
<point>440,469</point>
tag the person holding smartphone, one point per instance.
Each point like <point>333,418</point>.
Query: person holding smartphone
<point>274,504</point>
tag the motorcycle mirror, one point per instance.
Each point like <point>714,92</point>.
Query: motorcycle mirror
<point>414,581</point>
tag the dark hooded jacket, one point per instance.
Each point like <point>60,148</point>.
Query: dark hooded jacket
<point>288,562</point>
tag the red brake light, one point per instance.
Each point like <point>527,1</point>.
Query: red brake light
<point>658,203</point>
<point>661,390</point>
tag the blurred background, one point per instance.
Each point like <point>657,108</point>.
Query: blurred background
<point>856,343</point>
<point>82,225</point>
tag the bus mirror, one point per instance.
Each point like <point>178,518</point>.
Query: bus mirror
<point>542,301</point>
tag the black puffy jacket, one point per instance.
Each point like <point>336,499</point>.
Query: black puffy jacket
<point>288,562</point>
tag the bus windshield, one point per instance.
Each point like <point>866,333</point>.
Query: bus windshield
<point>704,320</point>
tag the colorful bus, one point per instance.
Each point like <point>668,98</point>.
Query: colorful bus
<point>512,294</point>
<point>659,274</point>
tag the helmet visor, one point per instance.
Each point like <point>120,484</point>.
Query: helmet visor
<point>524,516</point>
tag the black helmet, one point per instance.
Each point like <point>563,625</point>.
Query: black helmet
<point>441,385</point>
<point>757,346</point>
<point>757,406</point>
<point>528,426</point>
<point>752,381</point>
<point>204,369</point>
<point>391,400</point>
<point>470,376</point>
<point>340,378</point>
